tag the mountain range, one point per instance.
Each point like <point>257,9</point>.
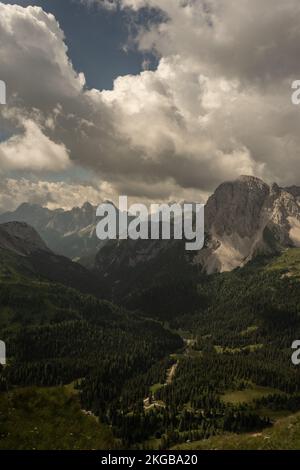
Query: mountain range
<point>244,218</point>
<point>22,250</point>
<point>70,233</point>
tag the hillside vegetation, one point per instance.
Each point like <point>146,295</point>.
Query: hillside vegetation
<point>232,371</point>
<point>284,435</point>
<point>49,419</point>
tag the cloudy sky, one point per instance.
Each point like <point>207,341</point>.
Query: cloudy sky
<point>155,99</point>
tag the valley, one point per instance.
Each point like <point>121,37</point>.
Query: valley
<point>161,353</point>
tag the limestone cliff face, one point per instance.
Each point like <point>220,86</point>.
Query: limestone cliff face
<point>246,217</point>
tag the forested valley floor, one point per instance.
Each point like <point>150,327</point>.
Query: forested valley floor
<point>215,372</point>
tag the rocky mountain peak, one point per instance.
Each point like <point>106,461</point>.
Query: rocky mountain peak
<point>20,238</point>
<point>235,207</point>
<point>246,217</point>
<point>87,207</point>
<point>252,182</point>
<point>294,190</point>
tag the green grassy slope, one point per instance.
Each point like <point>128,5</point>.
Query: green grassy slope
<point>49,418</point>
<point>247,395</point>
<point>284,435</point>
<point>288,263</point>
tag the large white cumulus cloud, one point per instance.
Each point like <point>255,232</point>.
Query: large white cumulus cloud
<point>33,150</point>
<point>226,70</point>
<point>217,106</point>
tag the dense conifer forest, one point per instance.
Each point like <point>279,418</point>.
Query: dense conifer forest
<point>161,377</point>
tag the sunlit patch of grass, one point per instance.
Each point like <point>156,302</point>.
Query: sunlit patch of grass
<point>247,395</point>
<point>156,387</point>
<point>249,330</point>
<point>288,263</point>
<point>226,350</point>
